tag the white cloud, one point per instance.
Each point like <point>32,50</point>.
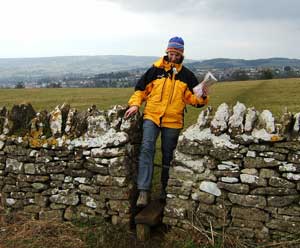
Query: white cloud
<point>210,28</point>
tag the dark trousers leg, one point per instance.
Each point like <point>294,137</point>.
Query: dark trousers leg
<point>146,157</point>
<point>169,139</point>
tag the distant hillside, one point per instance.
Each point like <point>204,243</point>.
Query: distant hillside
<point>36,68</point>
<point>32,69</point>
<point>230,63</point>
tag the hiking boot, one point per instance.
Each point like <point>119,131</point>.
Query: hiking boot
<point>143,199</point>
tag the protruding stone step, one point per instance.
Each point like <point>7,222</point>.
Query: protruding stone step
<point>150,216</point>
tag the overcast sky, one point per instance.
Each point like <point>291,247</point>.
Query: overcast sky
<point>246,29</point>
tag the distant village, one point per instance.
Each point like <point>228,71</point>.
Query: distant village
<point>124,79</point>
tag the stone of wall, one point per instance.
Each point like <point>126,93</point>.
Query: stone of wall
<point>237,169</point>
<point>68,164</point>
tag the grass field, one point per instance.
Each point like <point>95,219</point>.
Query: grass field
<point>263,94</point>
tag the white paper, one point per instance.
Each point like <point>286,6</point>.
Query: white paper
<point>207,82</point>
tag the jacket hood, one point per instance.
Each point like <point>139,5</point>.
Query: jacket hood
<point>165,64</point>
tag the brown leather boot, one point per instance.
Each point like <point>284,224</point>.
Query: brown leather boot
<point>143,199</point>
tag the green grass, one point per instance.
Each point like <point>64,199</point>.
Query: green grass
<point>78,98</point>
<point>262,94</point>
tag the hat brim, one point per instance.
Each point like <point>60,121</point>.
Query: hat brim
<point>174,50</point>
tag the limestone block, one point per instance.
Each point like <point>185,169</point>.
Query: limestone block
<point>291,145</point>
<point>261,162</point>
<point>185,189</point>
<point>116,193</point>
<point>294,158</point>
<point>65,197</point>
<point>119,167</point>
<point>234,187</point>
<point>132,125</point>
<point>109,139</point>
<point>206,198</point>
<point>229,179</point>
<point>7,188</point>
<point>205,118</point>
<point>122,206</point>
<point>98,168</point>
<point>39,186</point>
<point>108,152</point>
<point>41,200</point>
<point>220,120</point>
<point>289,167</point>
<point>34,169</point>
<point>248,200</point>
<point>210,187</point>
<point>263,135</point>
<point>273,191</point>
<point>247,223</point>
<point>97,125</point>
<point>21,115</point>
<point>278,156</point>
<point>55,122</point>
<point>266,121</point>
<point>56,167</point>
<point>187,145</point>
<point>57,177</point>
<point>251,154</point>
<point>281,201</point>
<point>228,175</point>
<point>2,144</point>
<point>253,180</point>
<point>217,210</point>
<point>292,176</point>
<point>177,208</point>
<point>236,120</point>
<point>250,171</point>
<point>20,195</point>
<point>254,214</point>
<point>296,127</point>
<point>69,129</point>
<point>286,226</point>
<point>206,175</point>
<point>55,206</point>
<point>224,154</point>
<point>268,173</point>
<point>89,201</point>
<point>228,165</point>
<point>51,214</point>
<point>79,173</point>
<point>251,117</point>
<point>281,183</point>
<point>14,166</point>
<point>197,165</point>
<point>181,172</point>
<point>293,210</point>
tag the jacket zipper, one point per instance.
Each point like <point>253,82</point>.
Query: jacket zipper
<point>162,89</point>
<point>173,84</point>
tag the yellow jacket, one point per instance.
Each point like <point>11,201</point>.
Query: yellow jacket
<point>167,88</point>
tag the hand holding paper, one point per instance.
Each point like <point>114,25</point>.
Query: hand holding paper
<point>202,89</point>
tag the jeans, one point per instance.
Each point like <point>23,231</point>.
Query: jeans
<point>169,138</point>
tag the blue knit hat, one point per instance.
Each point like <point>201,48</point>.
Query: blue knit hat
<point>176,44</point>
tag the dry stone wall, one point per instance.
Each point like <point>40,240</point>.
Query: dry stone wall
<point>236,168</point>
<point>240,170</point>
<point>67,164</point>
